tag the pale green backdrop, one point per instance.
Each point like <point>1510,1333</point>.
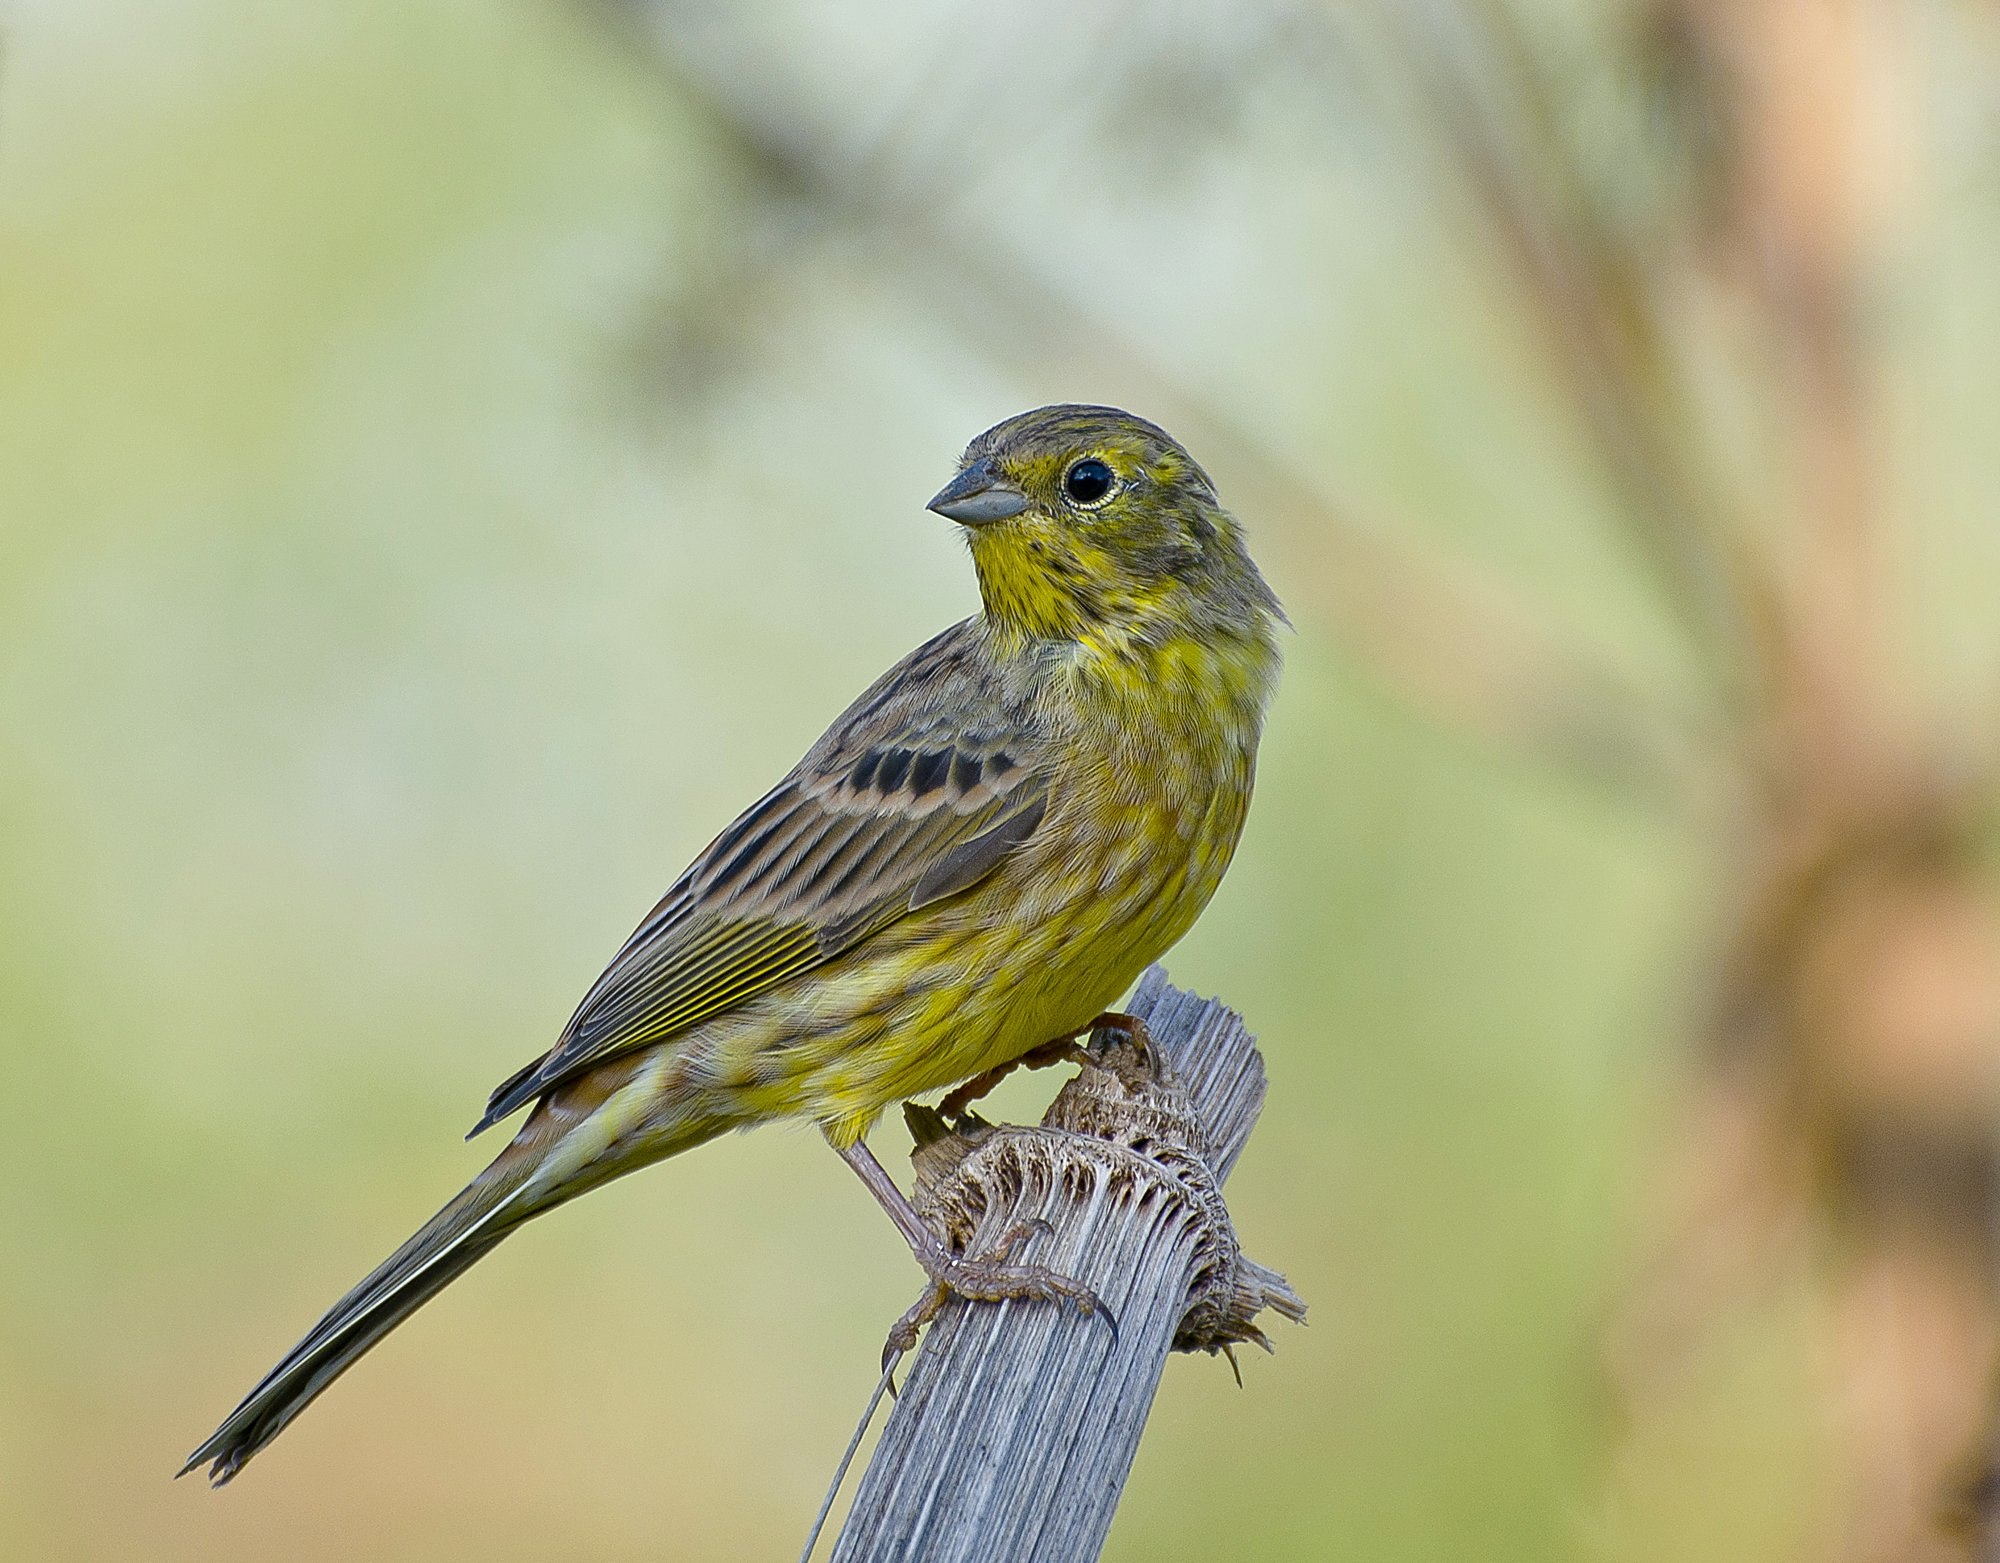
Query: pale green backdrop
<point>386,614</point>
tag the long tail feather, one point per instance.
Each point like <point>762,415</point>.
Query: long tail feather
<point>601,1127</point>
<point>444,1248</point>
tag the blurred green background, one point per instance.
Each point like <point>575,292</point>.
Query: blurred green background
<point>443,475</point>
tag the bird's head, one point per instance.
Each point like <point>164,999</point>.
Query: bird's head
<point>1087,523</point>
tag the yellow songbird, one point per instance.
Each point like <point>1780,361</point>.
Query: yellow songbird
<point>977,858</point>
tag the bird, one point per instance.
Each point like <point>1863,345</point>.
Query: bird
<point>968,868</point>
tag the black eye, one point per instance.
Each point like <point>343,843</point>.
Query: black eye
<point>1088,481</point>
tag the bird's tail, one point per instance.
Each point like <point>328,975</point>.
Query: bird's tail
<point>542,1168</point>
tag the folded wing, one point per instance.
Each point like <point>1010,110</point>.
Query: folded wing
<point>920,791</point>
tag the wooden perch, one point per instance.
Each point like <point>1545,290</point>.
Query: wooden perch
<point>1014,1433</point>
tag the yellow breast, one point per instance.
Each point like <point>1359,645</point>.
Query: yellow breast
<point>1149,794</point>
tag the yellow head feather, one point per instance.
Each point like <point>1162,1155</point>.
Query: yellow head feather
<point>1090,524</point>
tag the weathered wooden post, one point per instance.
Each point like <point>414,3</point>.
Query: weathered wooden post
<point>1013,1435</point>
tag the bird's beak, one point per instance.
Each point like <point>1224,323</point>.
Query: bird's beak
<point>978,495</point>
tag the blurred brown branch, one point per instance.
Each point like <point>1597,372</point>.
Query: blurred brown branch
<point>1597,300</point>
<point>1849,1070</point>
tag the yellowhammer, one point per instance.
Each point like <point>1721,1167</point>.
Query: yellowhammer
<point>977,858</point>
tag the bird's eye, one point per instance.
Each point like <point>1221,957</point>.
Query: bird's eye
<point>1088,482</point>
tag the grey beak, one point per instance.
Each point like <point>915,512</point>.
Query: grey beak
<point>979,495</point>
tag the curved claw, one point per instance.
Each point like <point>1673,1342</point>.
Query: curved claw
<point>1090,1306</point>
<point>1099,1310</point>
<point>903,1333</point>
<point>1144,1064</point>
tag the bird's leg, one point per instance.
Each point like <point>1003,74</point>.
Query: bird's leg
<point>1058,1050</point>
<point>1044,1055</point>
<point>990,1277</point>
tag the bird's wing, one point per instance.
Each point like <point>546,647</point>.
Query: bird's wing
<point>918,792</point>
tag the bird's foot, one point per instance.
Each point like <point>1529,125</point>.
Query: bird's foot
<point>1132,1029</point>
<point>992,1277</point>
<point>1122,1047</point>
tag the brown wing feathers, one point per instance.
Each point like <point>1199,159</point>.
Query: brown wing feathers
<point>893,809</point>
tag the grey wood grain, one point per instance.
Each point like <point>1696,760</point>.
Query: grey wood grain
<point>1018,1423</point>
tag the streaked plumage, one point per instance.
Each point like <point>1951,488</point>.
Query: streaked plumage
<point>978,856</point>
